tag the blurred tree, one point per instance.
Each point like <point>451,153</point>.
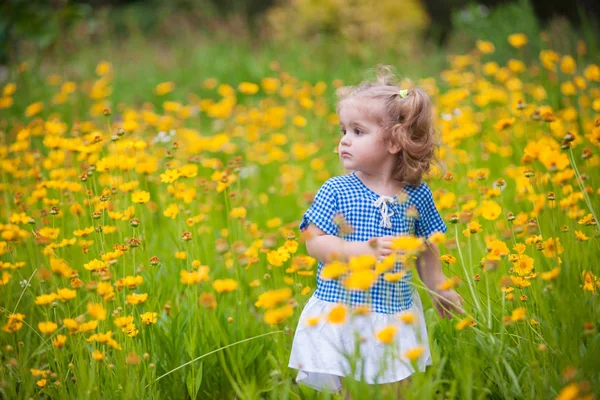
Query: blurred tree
<point>38,21</point>
<point>357,24</point>
<point>441,12</point>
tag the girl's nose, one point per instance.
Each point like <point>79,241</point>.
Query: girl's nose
<point>345,141</point>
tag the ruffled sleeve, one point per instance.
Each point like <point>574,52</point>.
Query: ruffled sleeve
<point>322,210</point>
<point>429,220</point>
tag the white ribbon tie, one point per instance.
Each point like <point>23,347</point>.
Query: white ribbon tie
<point>386,213</point>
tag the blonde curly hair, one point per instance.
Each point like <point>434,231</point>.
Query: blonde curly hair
<point>406,120</point>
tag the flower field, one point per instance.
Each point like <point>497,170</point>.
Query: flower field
<point>150,247</point>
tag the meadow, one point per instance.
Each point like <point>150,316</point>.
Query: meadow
<point>149,211</point>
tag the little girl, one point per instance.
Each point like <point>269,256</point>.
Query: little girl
<point>388,143</point>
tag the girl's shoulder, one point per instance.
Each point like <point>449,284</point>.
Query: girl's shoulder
<point>340,184</point>
<point>420,195</point>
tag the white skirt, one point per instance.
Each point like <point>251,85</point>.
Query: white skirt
<point>325,352</point>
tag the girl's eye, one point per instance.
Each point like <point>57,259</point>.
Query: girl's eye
<point>343,131</point>
<point>357,131</point>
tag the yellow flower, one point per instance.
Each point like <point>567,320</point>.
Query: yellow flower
<point>130,282</point>
<point>59,341</point>
<point>463,323</point>
<point>386,264</point>
<point>386,335</point>
<point>407,317</point>
<point>41,383</point>
<point>520,248</point>
<point>490,210</point>
<point>408,243</point>
<point>270,85</point>
<point>414,353</point>
<point>6,102</point>
<point>496,249</point>
<point>278,257</point>
<point>552,248</point>
<point>193,277</point>
<point>149,318</point>
<point>136,298</point>
<point>590,281</point>
<point>518,314</point>
<point>568,65</point>
<point>364,261</point>
<point>225,285</point>
<point>360,280</point>
<point>96,311</point>
<point>140,197</point>
<point>248,88</point>
<point>98,355</point>
<point>592,73</point>
<point>278,315</point>
<point>103,68</point>
<point>47,327</point>
<point>569,392</point>
<point>273,223</point>
<point>519,281</point>
<point>337,315</point>
<point>299,121</point>
<point>448,259</point>
<point>170,176</point>
<point>9,89</point>
<point>587,220</point>
<point>14,323</point>
<point>66,294</point>
<point>333,270</point>
<point>95,264</point>
<point>581,236</point>
<point>164,88</point>
<point>550,275</point>
<point>122,321</point>
<point>394,277</point>
<point>502,124</point>
<point>272,298</point>
<point>485,47</point>
<point>45,299</point>
<point>71,324</point>
<point>130,329</point>
<point>517,40</point>
<point>34,108</point>
<point>238,212</point>
<point>40,372</point>
<point>87,326</point>
<point>181,255</point>
<point>449,283</point>
<point>83,232</point>
<point>523,265</point>
<point>437,238</point>
<point>568,88</point>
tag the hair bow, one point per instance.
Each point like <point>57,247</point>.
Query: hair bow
<point>403,93</point>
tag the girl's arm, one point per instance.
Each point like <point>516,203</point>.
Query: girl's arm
<point>429,267</point>
<point>325,247</point>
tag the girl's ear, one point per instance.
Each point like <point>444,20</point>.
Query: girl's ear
<point>394,144</point>
<point>394,148</point>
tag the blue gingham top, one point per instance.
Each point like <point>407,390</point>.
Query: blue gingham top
<point>369,217</point>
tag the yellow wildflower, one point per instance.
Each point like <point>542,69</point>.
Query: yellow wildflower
<point>386,335</point>
<point>225,285</point>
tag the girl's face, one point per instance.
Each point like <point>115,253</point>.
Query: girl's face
<point>361,146</point>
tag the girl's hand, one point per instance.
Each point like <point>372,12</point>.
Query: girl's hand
<point>381,246</point>
<point>447,301</point>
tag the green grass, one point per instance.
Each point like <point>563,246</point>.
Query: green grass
<point>489,361</point>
